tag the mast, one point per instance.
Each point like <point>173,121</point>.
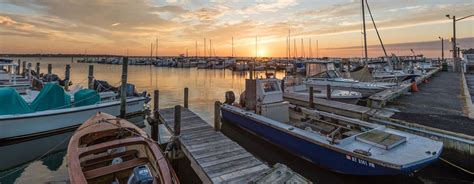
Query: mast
<point>196,49</point>
<point>365,33</point>
<point>302,48</point>
<point>156,48</point>
<point>151,50</point>
<point>210,47</point>
<point>232,47</point>
<point>294,48</point>
<point>289,45</point>
<point>310,55</point>
<point>204,53</point>
<point>317,48</point>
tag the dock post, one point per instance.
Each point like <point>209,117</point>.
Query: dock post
<point>186,93</point>
<point>50,71</point>
<point>154,122</point>
<point>217,116</point>
<point>283,85</point>
<point>311,99</point>
<point>123,88</point>
<point>177,120</point>
<point>18,67</point>
<point>91,77</point>
<point>66,77</point>
<point>328,92</point>
<point>24,68</point>
<point>38,70</point>
<point>29,71</point>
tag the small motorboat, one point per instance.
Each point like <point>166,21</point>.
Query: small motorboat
<point>106,149</point>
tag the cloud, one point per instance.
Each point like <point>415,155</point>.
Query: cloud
<point>266,6</point>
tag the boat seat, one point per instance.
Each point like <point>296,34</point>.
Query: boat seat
<point>114,168</point>
<point>108,158</point>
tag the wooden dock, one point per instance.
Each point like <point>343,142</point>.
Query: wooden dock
<point>379,100</point>
<point>213,156</point>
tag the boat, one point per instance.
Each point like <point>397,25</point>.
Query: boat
<point>9,78</point>
<point>52,112</point>
<point>321,73</point>
<point>106,149</point>
<point>335,94</point>
<point>338,143</point>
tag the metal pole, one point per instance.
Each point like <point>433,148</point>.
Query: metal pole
<point>18,67</point>
<point>123,88</point>
<point>24,68</point>
<point>311,99</point>
<point>91,77</point>
<point>442,49</point>
<point>186,92</point>
<point>217,116</point>
<point>455,56</point>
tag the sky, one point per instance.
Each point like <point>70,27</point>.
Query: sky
<point>130,27</point>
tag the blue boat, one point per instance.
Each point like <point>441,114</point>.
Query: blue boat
<point>341,144</point>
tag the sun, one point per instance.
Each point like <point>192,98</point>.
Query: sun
<point>262,53</point>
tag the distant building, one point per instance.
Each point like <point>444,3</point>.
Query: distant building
<point>468,60</point>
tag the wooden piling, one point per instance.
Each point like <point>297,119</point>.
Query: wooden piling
<point>24,69</point>
<point>38,70</point>
<point>91,77</point>
<point>311,99</point>
<point>186,93</point>
<point>18,67</point>
<point>328,92</point>
<point>66,77</point>
<point>154,124</point>
<point>29,71</point>
<point>283,85</point>
<point>217,116</point>
<point>177,120</point>
<point>123,88</point>
<point>50,72</point>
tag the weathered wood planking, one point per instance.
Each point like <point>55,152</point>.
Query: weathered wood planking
<point>214,157</point>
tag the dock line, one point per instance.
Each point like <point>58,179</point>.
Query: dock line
<point>456,166</point>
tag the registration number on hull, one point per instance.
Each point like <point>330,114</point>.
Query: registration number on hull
<point>360,161</point>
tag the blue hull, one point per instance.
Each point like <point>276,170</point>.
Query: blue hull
<point>345,163</point>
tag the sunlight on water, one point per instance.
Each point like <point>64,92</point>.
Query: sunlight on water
<point>205,87</point>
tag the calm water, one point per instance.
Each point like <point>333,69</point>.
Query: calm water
<point>205,87</point>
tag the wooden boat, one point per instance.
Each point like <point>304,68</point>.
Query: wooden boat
<point>106,149</point>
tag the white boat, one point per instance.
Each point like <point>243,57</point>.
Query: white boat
<point>27,124</point>
<point>322,93</point>
<point>9,78</point>
<point>322,73</point>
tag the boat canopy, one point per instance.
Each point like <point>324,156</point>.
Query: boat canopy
<point>12,102</point>
<point>86,97</point>
<point>52,96</point>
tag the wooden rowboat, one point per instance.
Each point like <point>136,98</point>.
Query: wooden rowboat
<point>106,149</point>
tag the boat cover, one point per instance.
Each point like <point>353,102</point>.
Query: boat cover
<point>86,97</point>
<point>52,96</point>
<point>12,102</point>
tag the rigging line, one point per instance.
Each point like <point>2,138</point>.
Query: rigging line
<point>376,30</point>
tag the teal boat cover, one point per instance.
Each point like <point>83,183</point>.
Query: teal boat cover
<point>12,102</point>
<point>86,97</point>
<point>52,96</point>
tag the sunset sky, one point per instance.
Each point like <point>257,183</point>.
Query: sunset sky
<point>115,26</point>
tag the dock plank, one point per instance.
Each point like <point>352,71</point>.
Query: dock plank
<point>218,158</point>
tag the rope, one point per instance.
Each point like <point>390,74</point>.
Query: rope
<point>456,166</point>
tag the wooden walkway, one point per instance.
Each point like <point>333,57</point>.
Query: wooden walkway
<point>214,157</point>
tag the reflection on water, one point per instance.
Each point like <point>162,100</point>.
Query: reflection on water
<point>205,87</point>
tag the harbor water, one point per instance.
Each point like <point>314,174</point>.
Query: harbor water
<point>43,160</point>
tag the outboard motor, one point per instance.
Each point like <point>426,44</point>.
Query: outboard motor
<point>141,175</point>
<point>229,97</point>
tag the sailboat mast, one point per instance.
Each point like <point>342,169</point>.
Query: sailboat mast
<point>232,47</point>
<point>156,48</point>
<point>365,33</point>
<point>204,53</point>
<point>196,48</point>
<point>294,48</point>
<point>310,49</point>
